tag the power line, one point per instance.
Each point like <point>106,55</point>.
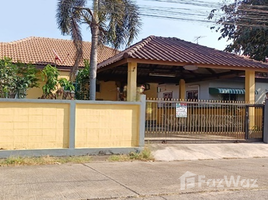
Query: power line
<point>199,3</point>
<point>257,17</point>
<point>176,18</point>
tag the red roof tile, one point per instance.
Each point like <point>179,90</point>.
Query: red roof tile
<point>38,50</point>
<point>175,50</point>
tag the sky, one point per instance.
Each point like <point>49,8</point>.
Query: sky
<point>183,19</point>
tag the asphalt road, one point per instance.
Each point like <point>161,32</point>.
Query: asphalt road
<point>204,179</point>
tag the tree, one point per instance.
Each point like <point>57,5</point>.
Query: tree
<point>15,79</point>
<point>245,24</point>
<point>50,76</point>
<point>50,89</point>
<point>111,22</point>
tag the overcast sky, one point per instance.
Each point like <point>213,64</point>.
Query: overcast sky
<point>170,18</point>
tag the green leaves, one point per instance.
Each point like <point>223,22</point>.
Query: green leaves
<point>66,84</point>
<point>111,22</point>
<point>83,73</point>
<point>50,76</point>
<point>119,22</point>
<point>245,23</point>
<point>15,79</point>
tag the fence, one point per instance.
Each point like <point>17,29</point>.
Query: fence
<point>203,119</point>
<point>62,127</point>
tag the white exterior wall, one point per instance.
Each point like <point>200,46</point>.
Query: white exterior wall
<point>227,84</point>
<point>165,88</point>
<point>203,89</point>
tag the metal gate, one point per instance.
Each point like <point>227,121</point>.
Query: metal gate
<point>202,120</point>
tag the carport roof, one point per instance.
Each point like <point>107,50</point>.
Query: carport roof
<point>174,51</point>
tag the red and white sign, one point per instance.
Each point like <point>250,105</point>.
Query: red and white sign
<point>57,57</point>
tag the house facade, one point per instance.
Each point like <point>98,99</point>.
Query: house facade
<point>41,51</point>
<point>214,90</point>
<point>175,69</point>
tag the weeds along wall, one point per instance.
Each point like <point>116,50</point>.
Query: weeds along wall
<point>62,124</point>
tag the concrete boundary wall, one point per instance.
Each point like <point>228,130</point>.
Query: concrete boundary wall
<point>63,127</point>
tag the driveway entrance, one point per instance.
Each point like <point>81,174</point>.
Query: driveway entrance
<point>202,120</point>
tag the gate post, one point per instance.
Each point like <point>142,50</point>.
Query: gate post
<point>247,122</point>
<point>265,121</point>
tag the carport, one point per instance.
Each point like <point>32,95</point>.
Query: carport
<point>171,60</point>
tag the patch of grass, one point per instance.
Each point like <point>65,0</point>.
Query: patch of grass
<point>144,155</point>
<point>44,160</point>
<point>119,158</point>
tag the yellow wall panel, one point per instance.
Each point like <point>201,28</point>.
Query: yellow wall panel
<point>152,92</point>
<point>46,125</point>
<point>34,125</point>
<point>107,92</point>
<point>107,126</point>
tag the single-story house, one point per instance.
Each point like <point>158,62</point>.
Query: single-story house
<point>42,51</point>
<point>173,68</point>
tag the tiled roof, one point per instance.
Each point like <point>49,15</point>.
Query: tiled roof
<point>38,50</point>
<point>174,50</point>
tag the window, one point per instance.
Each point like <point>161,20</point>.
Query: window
<point>192,94</point>
<point>167,95</point>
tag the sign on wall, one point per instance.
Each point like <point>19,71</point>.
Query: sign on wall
<point>181,109</point>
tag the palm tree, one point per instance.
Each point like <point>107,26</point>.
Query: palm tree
<point>111,22</point>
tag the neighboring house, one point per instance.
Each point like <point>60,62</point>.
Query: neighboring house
<point>173,68</point>
<point>42,51</point>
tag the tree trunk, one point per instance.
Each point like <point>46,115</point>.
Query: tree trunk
<point>94,51</point>
<point>93,62</point>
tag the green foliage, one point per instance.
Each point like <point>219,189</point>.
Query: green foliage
<point>15,79</point>
<point>112,22</point>
<point>118,21</point>
<point>26,78</point>
<point>244,23</point>
<point>50,76</point>
<point>44,160</point>
<point>83,73</point>
<point>66,84</point>
<point>82,82</point>
<point>144,155</point>
<point>122,17</point>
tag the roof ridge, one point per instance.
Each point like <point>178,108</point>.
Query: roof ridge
<point>158,48</point>
<point>36,37</point>
<point>20,40</point>
<point>189,42</point>
<point>132,49</point>
<point>47,38</point>
<point>39,50</point>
